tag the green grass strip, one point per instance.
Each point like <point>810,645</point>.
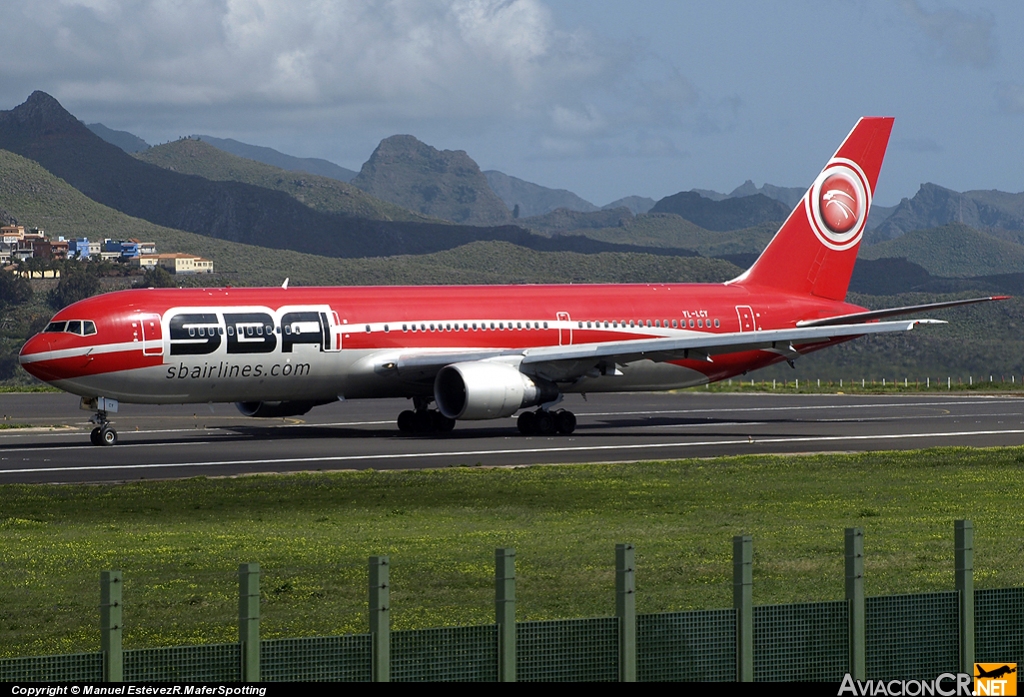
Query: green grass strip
<point>179,543</point>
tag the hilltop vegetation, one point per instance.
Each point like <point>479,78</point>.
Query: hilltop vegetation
<point>269,156</point>
<point>191,156</point>
<point>667,230</point>
<point>727,214</point>
<point>952,250</point>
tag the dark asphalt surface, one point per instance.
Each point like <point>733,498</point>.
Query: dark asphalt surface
<point>215,440</point>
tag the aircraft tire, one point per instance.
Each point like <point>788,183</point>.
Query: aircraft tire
<point>545,423</point>
<point>94,437</point>
<point>407,421</point>
<point>565,422</point>
<point>441,423</point>
<point>108,436</point>
<point>423,421</point>
<point>527,423</point>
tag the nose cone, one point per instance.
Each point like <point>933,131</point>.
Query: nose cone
<point>33,357</point>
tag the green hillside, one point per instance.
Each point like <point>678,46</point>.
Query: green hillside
<point>37,198</point>
<point>979,340</point>
<point>952,250</point>
<point>191,156</point>
<point>669,230</point>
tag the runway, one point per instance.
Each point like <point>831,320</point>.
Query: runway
<point>215,440</point>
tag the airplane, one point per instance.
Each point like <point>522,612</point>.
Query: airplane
<point>479,352</point>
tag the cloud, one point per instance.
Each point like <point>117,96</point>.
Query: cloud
<point>332,70</point>
<point>364,56</point>
<point>959,37</point>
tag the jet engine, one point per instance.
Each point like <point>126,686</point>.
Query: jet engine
<point>485,390</point>
<point>272,410</point>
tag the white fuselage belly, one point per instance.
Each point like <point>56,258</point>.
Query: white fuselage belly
<point>316,376</point>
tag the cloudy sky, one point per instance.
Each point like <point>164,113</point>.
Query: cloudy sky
<point>601,97</point>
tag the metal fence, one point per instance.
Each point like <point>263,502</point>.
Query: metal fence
<point>914,636</point>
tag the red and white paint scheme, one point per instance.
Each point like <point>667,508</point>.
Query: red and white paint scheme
<point>478,352</point>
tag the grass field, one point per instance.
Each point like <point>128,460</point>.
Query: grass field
<point>179,542</point>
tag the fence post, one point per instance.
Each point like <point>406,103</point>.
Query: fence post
<point>380,618</point>
<point>855,598</point>
<point>110,625</point>
<point>249,620</point>
<point>505,611</point>
<point>964,540</point>
<point>743,602</point>
<point>625,609</point>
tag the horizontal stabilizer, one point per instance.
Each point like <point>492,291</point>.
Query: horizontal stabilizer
<point>873,315</point>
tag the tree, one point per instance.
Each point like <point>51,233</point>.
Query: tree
<point>156,277</point>
<point>77,283</point>
<point>14,290</point>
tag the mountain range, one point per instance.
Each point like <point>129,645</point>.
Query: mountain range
<point>191,184</point>
<point>430,206</point>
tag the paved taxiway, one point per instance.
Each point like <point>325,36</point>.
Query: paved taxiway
<point>215,440</point>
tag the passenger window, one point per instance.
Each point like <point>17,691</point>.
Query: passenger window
<point>192,331</point>
<point>691,324</point>
<point>675,325</point>
<point>700,324</point>
<point>716,324</point>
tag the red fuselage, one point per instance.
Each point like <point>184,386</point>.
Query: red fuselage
<point>148,347</point>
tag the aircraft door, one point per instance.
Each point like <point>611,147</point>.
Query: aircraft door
<point>746,315</point>
<point>564,329</point>
<point>152,335</point>
<point>333,330</point>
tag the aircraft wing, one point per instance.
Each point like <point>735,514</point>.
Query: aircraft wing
<point>570,362</point>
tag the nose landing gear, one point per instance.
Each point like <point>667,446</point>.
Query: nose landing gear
<point>104,433</point>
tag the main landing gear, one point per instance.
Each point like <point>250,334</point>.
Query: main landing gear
<point>104,433</point>
<point>542,422</point>
<point>424,421</point>
<point>546,423</point>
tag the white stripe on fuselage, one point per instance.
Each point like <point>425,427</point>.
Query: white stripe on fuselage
<point>81,351</point>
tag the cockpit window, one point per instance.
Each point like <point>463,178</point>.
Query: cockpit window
<point>81,327</point>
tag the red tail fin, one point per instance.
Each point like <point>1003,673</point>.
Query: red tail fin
<point>815,249</point>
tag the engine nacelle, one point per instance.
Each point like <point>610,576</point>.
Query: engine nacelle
<point>273,410</point>
<point>485,390</point>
